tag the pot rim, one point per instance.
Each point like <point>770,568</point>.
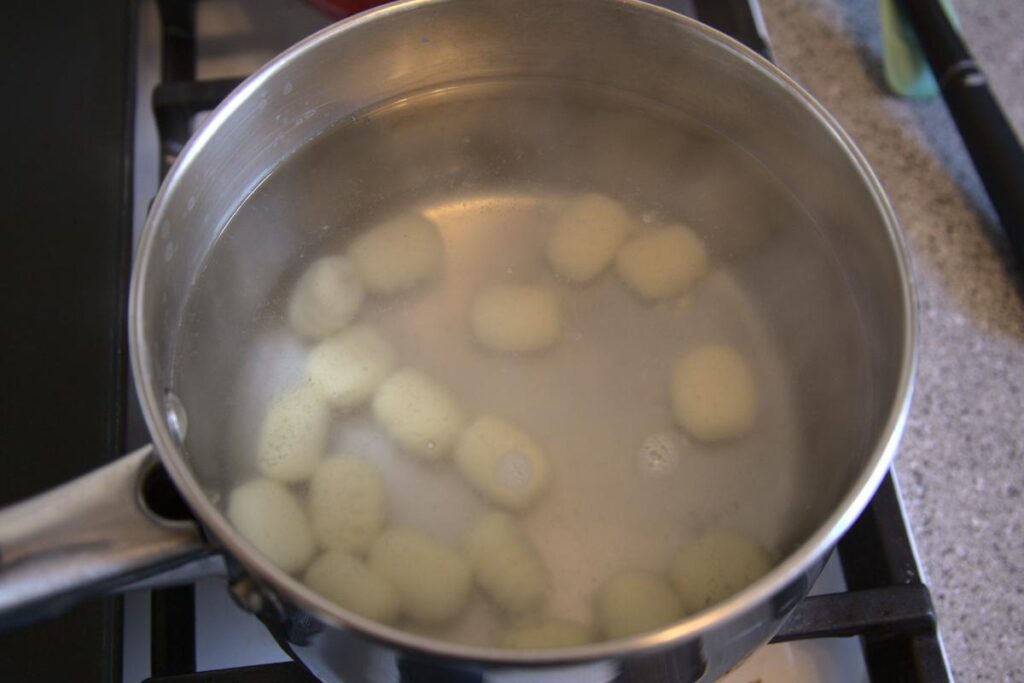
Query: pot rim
<point>761,591</point>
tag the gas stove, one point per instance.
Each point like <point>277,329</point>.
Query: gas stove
<point>869,617</point>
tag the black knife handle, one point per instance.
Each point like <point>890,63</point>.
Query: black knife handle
<point>986,132</point>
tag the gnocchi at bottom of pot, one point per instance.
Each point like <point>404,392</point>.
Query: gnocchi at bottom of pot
<point>346,369</point>
<point>347,504</point>
<point>433,581</point>
<point>419,413</point>
<point>349,583</point>
<point>516,318</point>
<point>546,633</point>
<point>326,298</point>
<point>716,566</point>
<point>714,398</point>
<point>293,436</point>
<point>636,601</point>
<point>271,518</point>
<point>502,463</point>
<point>506,564</point>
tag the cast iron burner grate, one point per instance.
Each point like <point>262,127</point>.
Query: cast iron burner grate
<point>886,604</point>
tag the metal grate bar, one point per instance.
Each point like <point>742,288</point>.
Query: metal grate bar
<point>178,63</point>
<point>875,612</point>
<point>173,631</point>
<point>877,552</point>
<point>191,97</point>
<point>265,673</point>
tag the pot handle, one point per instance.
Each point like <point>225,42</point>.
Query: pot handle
<point>87,537</point>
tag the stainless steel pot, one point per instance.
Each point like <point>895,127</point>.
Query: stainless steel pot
<point>104,530</point>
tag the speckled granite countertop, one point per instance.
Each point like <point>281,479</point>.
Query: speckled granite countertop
<point>961,464</point>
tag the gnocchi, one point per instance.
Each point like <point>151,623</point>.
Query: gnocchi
<point>546,634</point>
<point>345,370</point>
<point>270,517</point>
<point>716,566</point>
<point>635,601</point>
<point>433,581</point>
<point>326,297</point>
<point>516,318</point>
<point>419,413</point>
<point>293,436</point>
<point>347,506</point>
<point>662,263</point>
<point>506,564</point>
<point>586,237</point>
<point>502,463</point>
<point>713,394</point>
<point>398,254</point>
<point>348,583</point>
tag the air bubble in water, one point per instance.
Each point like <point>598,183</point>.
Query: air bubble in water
<point>658,455</point>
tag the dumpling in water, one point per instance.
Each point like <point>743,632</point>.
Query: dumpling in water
<point>516,318</point>
<point>326,297</point>
<point>347,368</point>
<point>546,634</point>
<point>506,564</point>
<point>419,413</point>
<point>662,263</point>
<point>398,254</point>
<point>636,601</point>
<point>713,394</point>
<point>586,237</point>
<point>349,583</point>
<point>502,463</point>
<point>716,566</point>
<point>270,517</point>
<point>433,581</point>
<point>293,437</point>
<point>347,504</point>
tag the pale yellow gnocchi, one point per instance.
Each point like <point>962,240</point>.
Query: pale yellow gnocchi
<point>516,318</point>
<point>636,601</point>
<point>716,566</point>
<point>293,437</point>
<point>419,413</point>
<point>347,368</point>
<point>546,633</point>
<point>433,581</point>
<point>271,518</point>
<point>398,254</point>
<point>347,505</point>
<point>713,394</point>
<point>502,463</point>
<point>506,564</point>
<point>326,297</point>
<point>350,584</point>
<point>662,263</point>
<point>586,237</point>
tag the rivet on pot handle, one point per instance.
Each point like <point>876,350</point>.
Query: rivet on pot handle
<point>87,537</point>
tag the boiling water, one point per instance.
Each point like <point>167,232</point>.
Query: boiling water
<point>492,164</point>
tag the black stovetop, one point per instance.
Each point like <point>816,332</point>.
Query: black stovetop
<point>68,77</point>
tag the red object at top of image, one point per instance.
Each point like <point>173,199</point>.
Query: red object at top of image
<point>339,9</point>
